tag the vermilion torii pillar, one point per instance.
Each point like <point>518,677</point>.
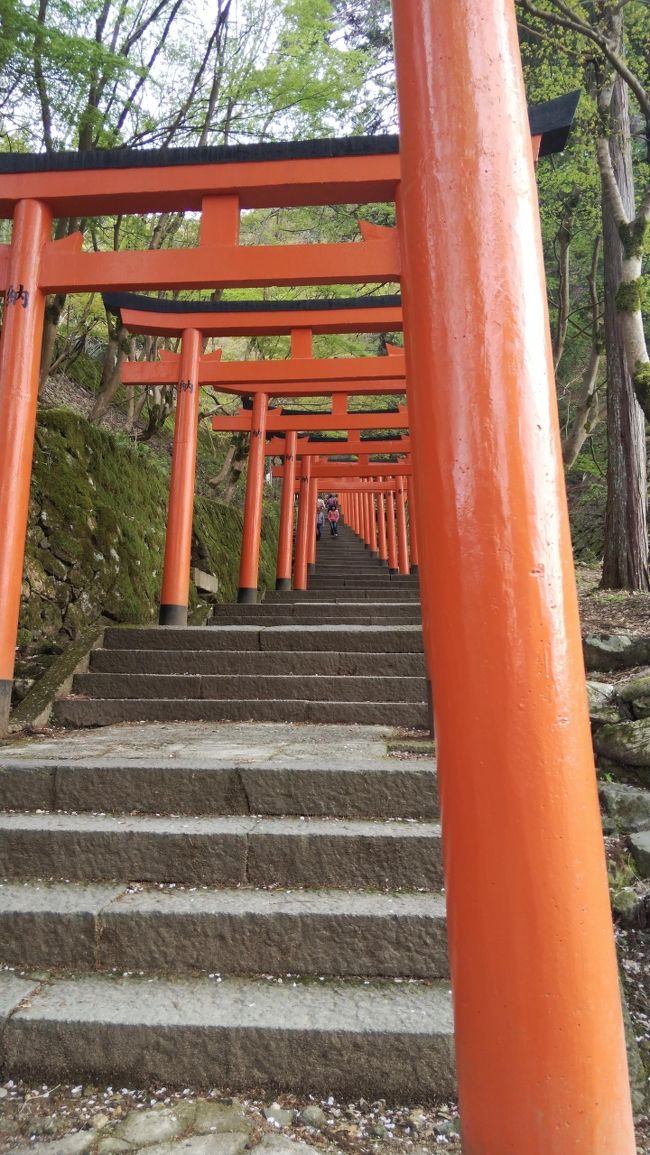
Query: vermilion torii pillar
<point>381,529</point>
<point>304,528</point>
<point>372,525</point>
<point>402,538</point>
<point>252,529</point>
<point>413,527</point>
<point>174,594</point>
<point>539,1033</point>
<point>19,362</point>
<point>285,529</point>
<point>391,534</point>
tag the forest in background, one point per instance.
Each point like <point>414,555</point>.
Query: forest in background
<point>86,74</point>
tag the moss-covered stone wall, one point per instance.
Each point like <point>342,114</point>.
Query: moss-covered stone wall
<point>97,531</point>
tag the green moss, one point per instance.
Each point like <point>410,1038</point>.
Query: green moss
<point>641,382</point>
<point>86,371</point>
<point>97,530</point>
<point>633,238</point>
<point>628,296</point>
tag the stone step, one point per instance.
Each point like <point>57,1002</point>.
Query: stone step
<point>259,662</point>
<point>336,594</point>
<point>73,711</point>
<point>347,607</point>
<point>379,576</point>
<point>384,788</point>
<point>344,1038</point>
<point>224,851</point>
<point>315,613</point>
<point>244,931</point>
<point>249,687</point>
<point>406,638</point>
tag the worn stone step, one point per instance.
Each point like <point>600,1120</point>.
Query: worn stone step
<point>225,687</point>
<point>336,1037</point>
<point>255,662</point>
<point>384,788</point>
<point>222,851</point>
<point>243,931</point>
<point>72,711</point>
<point>402,638</point>
<point>303,610</point>
<point>340,594</point>
<point>317,614</point>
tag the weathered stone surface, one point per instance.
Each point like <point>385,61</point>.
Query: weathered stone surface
<point>283,1145</point>
<point>13,990</point>
<point>640,847</point>
<point>244,931</point>
<point>106,711</point>
<point>625,742</point>
<point>354,788</point>
<point>603,707</point>
<point>603,652</point>
<point>110,1146</point>
<point>259,662</point>
<point>393,639</point>
<point>244,637</point>
<point>319,1038</point>
<point>346,853</point>
<point>147,1127</point>
<point>51,925</point>
<point>76,1144</point>
<point>205,581</point>
<point>313,1116</point>
<point>628,806</point>
<point>228,850</point>
<point>70,846</point>
<point>220,1117</point>
<point>223,1144</point>
<point>280,1116</point>
<point>636,693</point>
<point>251,687</point>
<point>635,688</point>
<point>26,788</point>
<point>156,788</point>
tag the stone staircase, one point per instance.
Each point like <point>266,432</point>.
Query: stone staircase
<point>348,649</point>
<point>253,907</point>
<point>206,909</point>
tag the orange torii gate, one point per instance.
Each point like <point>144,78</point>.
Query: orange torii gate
<point>300,375</point>
<point>539,1034</point>
<point>395,547</point>
<point>292,423</point>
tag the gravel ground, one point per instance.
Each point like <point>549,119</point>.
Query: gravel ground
<point>38,1114</point>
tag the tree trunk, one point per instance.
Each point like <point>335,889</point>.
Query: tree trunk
<point>54,306</point>
<point>625,564</point>
<point>587,407</point>
<point>118,347</point>
<point>586,415</point>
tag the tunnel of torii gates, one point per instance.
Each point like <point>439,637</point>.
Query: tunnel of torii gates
<point>539,1041</point>
<point>258,381</point>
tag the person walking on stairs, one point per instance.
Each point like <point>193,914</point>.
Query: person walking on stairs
<point>320,522</point>
<point>333,518</point>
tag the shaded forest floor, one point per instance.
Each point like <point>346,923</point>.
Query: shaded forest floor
<point>610,611</point>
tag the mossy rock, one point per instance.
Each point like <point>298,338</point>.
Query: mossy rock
<point>96,535</point>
